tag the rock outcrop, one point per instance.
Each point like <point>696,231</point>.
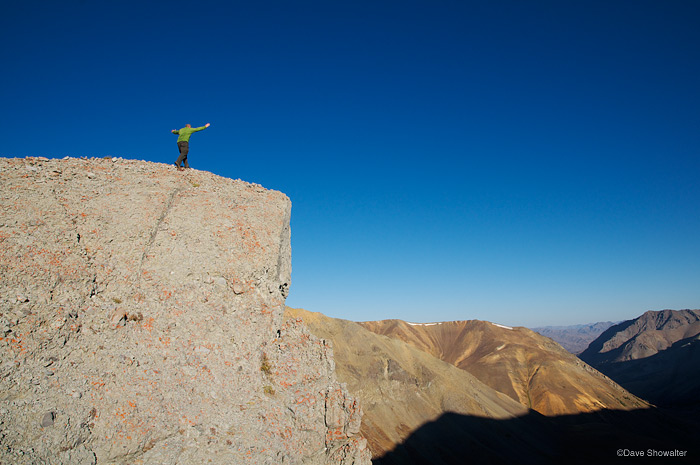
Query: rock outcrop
<point>141,323</point>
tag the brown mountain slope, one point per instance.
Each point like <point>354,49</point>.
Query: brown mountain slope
<point>655,356</point>
<point>402,388</point>
<point>526,366</point>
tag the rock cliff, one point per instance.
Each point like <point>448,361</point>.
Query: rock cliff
<point>141,323</point>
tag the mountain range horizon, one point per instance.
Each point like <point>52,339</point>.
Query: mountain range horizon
<point>530,369</point>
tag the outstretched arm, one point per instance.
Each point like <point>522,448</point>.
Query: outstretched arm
<point>175,131</point>
<point>202,127</point>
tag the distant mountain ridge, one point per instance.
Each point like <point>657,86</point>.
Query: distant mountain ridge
<point>420,409</point>
<point>574,338</point>
<point>643,337</point>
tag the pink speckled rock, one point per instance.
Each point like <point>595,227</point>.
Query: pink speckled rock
<point>143,307</point>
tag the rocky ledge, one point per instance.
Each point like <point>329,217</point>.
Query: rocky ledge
<point>141,322</point>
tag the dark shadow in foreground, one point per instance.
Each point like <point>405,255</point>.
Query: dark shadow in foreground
<point>606,436</point>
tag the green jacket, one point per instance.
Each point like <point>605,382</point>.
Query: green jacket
<point>186,132</point>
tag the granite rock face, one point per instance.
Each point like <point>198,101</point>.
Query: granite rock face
<point>141,323</point>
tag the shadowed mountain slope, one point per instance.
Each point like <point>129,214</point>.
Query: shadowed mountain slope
<point>401,387</point>
<point>655,356</point>
<point>602,437</point>
<point>528,367</point>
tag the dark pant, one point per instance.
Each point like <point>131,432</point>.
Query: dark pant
<point>184,148</point>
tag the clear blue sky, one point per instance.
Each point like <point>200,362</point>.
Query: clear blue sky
<point>522,162</point>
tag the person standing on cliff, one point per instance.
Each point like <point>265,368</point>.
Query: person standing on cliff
<point>183,142</point>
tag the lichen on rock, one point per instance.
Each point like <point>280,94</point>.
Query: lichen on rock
<point>136,305</point>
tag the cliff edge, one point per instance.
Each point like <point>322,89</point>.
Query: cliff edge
<point>141,322</point>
